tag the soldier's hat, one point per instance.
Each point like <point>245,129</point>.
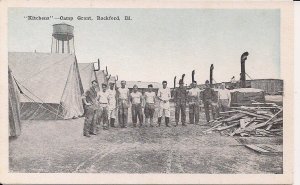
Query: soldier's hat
<point>164,82</point>
<point>206,82</point>
<point>104,85</point>
<point>150,85</point>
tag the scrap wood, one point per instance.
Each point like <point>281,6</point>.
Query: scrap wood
<point>227,127</point>
<point>254,108</point>
<point>271,147</point>
<point>253,114</point>
<point>258,103</point>
<point>262,130</point>
<point>244,134</point>
<point>275,130</point>
<point>277,120</point>
<point>246,122</point>
<point>263,149</point>
<point>246,129</point>
<point>228,112</point>
<point>234,117</point>
<point>210,129</point>
<point>266,122</point>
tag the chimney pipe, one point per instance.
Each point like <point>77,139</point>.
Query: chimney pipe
<point>193,76</point>
<point>211,74</point>
<point>243,70</point>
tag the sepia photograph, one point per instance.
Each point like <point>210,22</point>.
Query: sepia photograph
<point>144,90</point>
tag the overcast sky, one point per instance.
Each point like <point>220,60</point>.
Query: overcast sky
<point>161,43</point>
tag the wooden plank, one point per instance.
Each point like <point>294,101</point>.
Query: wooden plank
<point>256,148</point>
<point>234,117</point>
<point>253,114</point>
<point>266,122</point>
<point>268,147</point>
<point>228,112</point>
<point>253,108</point>
<point>227,127</point>
<point>212,128</point>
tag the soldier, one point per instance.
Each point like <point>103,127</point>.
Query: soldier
<point>150,104</point>
<point>207,98</point>
<point>136,106</point>
<point>164,95</point>
<point>112,105</point>
<point>194,103</point>
<point>103,99</point>
<point>123,100</point>
<point>180,98</point>
<point>224,98</point>
<point>90,104</point>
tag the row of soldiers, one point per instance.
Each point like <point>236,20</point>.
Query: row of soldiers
<point>103,106</point>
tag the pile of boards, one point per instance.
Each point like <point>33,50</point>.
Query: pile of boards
<point>259,119</point>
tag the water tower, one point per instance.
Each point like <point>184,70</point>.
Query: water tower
<point>62,38</point>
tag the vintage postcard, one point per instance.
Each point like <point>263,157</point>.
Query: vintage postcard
<point>176,92</point>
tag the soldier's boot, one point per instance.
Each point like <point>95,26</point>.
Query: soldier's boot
<point>167,119</point>
<point>176,124</point>
<point>191,118</point>
<point>159,121</point>
<point>112,122</point>
<point>151,122</point>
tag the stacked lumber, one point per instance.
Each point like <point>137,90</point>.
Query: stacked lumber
<point>259,119</point>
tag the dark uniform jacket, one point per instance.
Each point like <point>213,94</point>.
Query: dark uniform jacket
<point>180,96</point>
<point>90,96</point>
<point>208,94</point>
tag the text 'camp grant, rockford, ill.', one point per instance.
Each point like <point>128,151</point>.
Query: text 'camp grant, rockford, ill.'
<point>80,18</point>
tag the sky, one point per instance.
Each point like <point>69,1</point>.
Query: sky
<point>158,44</point>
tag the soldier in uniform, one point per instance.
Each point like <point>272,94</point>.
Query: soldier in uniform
<point>194,103</point>
<point>164,95</point>
<point>136,106</point>
<point>90,104</point>
<point>180,98</point>
<point>103,99</point>
<point>123,101</point>
<point>150,105</point>
<point>112,104</point>
<point>207,98</point>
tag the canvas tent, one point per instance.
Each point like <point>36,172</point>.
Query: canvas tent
<point>50,85</point>
<point>87,74</point>
<point>14,107</point>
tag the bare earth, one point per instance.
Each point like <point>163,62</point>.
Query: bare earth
<point>59,147</point>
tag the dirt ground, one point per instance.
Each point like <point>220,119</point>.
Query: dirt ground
<point>59,147</point>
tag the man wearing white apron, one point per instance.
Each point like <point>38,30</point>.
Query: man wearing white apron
<point>112,107</point>
<point>164,95</point>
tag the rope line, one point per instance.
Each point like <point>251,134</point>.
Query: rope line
<point>33,95</point>
<point>42,105</point>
